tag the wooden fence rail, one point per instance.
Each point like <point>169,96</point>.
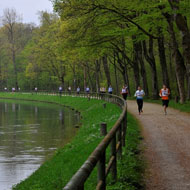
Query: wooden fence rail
<point>115,138</point>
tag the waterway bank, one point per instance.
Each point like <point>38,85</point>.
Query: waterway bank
<point>55,173</point>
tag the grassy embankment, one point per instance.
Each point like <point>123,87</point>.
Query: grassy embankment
<point>54,173</point>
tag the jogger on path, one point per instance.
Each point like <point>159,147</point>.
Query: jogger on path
<point>139,95</point>
<point>164,94</point>
<point>124,92</point>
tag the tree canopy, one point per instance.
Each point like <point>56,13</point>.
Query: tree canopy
<point>100,43</point>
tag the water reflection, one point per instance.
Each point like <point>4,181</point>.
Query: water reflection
<point>29,134</point>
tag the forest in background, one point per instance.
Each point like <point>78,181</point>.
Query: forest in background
<point>98,43</point>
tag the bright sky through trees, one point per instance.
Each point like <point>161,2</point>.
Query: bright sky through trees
<point>27,8</point>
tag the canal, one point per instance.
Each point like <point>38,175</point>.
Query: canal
<point>30,132</point>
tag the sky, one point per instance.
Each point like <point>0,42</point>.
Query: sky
<point>28,9</point>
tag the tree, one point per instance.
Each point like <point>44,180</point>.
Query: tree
<point>10,22</point>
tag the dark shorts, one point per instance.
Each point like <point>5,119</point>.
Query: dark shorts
<point>124,96</point>
<point>165,103</point>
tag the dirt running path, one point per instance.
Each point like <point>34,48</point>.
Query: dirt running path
<point>167,146</point>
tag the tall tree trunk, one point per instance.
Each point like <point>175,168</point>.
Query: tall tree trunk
<point>181,22</point>
<point>135,63</point>
<point>138,47</point>
<point>74,77</point>
<point>171,69</point>
<point>136,71</point>
<point>85,77</point>
<point>126,79</point>
<point>89,78</point>
<point>15,68</point>
<point>162,56</point>
<point>116,78</point>
<point>149,56</point>
<point>123,69</point>
<point>178,58</point>
<point>97,68</point>
<point>62,79</point>
<point>106,69</point>
<point>63,82</point>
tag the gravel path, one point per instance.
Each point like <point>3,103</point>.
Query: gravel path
<point>167,146</point>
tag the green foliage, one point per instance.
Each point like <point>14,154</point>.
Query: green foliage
<point>67,44</point>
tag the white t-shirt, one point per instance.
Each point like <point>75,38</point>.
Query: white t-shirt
<point>139,94</point>
<point>110,89</point>
<point>124,91</point>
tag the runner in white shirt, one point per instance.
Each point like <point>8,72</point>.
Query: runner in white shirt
<point>139,95</point>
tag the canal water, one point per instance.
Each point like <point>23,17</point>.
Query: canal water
<point>30,132</point>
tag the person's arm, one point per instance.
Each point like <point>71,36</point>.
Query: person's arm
<point>135,95</point>
<point>160,94</point>
<point>143,93</point>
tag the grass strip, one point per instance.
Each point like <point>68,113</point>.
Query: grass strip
<point>132,166</point>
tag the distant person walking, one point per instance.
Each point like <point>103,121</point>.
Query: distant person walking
<point>103,90</point>
<point>164,94</point>
<point>78,90</point>
<point>36,90</point>
<point>110,90</point>
<point>13,89</point>
<point>139,94</point>
<point>124,92</point>
<point>87,90</point>
<point>69,90</point>
<point>60,90</point>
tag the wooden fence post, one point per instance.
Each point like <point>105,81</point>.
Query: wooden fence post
<point>124,129</point>
<point>103,129</point>
<point>104,105</point>
<point>119,133</point>
<point>113,153</point>
<point>102,171</point>
<point>102,161</point>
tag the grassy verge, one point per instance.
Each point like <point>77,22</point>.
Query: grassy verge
<point>56,172</point>
<point>131,167</point>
